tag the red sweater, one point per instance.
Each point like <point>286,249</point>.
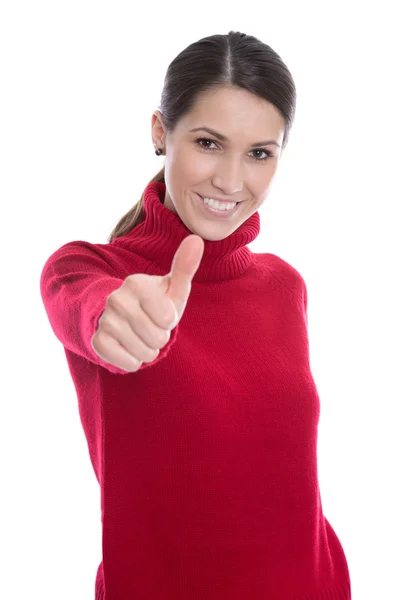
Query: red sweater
<point>207,457</point>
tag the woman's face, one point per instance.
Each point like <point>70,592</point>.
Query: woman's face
<point>238,168</point>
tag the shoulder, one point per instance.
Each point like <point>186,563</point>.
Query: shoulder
<point>283,271</point>
<point>287,276</point>
<point>81,256</point>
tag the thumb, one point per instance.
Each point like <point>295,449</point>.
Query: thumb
<point>184,266</point>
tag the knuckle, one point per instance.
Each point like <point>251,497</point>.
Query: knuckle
<point>98,344</point>
<point>166,335</point>
<point>97,338</point>
<point>136,364</point>
<point>150,356</point>
<point>114,300</point>
<point>105,324</point>
<point>169,318</point>
<point>131,280</point>
<point>161,338</point>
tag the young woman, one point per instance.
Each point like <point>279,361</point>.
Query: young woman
<point>202,431</point>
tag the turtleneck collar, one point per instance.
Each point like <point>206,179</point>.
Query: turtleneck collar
<point>158,237</point>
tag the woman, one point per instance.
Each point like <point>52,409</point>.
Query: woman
<point>202,434</point>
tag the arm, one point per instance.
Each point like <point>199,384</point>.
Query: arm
<point>74,284</point>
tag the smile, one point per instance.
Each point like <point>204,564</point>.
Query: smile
<point>218,213</point>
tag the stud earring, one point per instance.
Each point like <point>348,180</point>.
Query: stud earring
<point>158,151</point>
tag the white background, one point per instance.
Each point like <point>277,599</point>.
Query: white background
<point>79,82</point>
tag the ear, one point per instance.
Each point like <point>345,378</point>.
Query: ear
<point>158,130</point>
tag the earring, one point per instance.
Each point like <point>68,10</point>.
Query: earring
<point>158,151</point>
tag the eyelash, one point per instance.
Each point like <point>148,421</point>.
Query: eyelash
<point>268,152</point>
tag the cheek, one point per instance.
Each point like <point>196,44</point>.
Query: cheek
<point>258,183</point>
<point>263,176</point>
<point>192,165</point>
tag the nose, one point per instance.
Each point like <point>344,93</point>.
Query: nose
<point>229,178</point>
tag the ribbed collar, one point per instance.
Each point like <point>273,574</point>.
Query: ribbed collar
<point>158,237</point>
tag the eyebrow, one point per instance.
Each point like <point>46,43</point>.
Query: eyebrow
<point>223,138</point>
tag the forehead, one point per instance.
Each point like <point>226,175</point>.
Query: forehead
<point>235,112</point>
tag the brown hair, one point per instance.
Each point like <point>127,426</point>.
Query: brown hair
<point>235,59</point>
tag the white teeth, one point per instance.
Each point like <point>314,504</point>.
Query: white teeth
<point>219,205</point>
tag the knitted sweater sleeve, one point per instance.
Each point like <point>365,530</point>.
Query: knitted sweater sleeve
<point>75,283</point>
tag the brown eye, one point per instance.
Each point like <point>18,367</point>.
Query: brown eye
<point>206,140</point>
<point>267,152</point>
